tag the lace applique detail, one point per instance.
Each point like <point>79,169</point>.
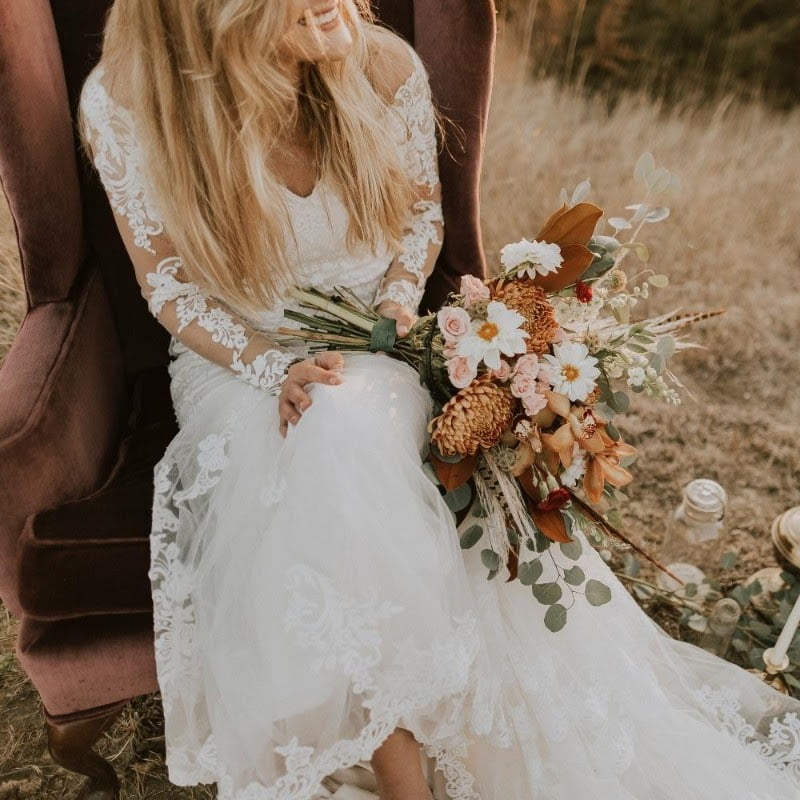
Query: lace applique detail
<point>403,292</point>
<point>426,221</point>
<point>118,160</point>
<point>780,748</point>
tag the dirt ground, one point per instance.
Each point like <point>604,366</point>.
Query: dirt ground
<point>732,242</point>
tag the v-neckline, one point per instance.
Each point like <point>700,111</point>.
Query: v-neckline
<point>302,196</point>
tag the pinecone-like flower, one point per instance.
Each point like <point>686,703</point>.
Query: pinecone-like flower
<point>475,418</point>
<point>523,296</point>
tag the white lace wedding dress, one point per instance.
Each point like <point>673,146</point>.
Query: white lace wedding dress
<point>310,594</point>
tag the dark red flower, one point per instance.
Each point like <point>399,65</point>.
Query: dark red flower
<point>583,291</point>
<point>557,498</point>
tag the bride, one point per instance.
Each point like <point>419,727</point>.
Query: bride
<point>314,616</point>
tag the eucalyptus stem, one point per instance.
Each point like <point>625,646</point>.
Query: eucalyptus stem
<point>671,597</point>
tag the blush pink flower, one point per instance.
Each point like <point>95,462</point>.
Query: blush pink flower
<point>528,365</point>
<point>454,322</point>
<point>461,371</point>
<point>522,385</point>
<point>473,289</point>
<point>504,373</point>
<point>533,403</point>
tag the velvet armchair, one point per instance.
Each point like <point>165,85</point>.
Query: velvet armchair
<point>85,410</point>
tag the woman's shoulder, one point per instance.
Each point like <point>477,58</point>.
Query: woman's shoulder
<point>394,62</point>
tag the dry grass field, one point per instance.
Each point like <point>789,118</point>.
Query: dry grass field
<point>733,241</point>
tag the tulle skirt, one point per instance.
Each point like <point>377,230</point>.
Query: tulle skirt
<point>310,596</point>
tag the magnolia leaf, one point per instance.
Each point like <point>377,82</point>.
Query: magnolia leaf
<point>659,281</point>
<point>550,523</point>
<point>598,267</point>
<point>490,559</point>
<point>577,257</point>
<point>547,593</point>
<point>555,618</point>
<point>645,165</point>
<point>452,474</point>
<point>574,576</point>
<point>581,192</point>
<point>597,593</point>
<point>619,223</point>
<point>529,572</point>
<point>657,214</point>
<point>470,537</point>
<point>571,226</point>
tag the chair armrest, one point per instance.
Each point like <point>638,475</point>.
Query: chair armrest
<point>63,402</point>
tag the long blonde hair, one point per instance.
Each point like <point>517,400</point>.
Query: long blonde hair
<point>203,82</point>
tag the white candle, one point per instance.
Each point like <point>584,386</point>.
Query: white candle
<point>775,658</point>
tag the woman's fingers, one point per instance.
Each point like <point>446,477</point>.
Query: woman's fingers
<point>404,317</point>
<point>294,400</point>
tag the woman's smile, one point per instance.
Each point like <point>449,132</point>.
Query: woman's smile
<point>326,19</point>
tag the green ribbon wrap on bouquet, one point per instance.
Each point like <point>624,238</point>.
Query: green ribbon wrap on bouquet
<point>383,336</point>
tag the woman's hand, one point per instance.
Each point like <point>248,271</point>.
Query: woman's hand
<point>293,399</point>
<point>402,315</point>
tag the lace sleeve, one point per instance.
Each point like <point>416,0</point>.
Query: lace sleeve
<point>196,320</point>
<point>404,281</point>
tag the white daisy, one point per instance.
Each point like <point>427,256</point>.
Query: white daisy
<point>499,333</point>
<point>574,370</point>
<point>531,258</point>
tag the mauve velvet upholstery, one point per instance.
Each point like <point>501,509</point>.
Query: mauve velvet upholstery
<point>85,410</point>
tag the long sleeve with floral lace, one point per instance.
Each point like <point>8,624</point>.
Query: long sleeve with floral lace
<point>404,280</point>
<point>198,321</point>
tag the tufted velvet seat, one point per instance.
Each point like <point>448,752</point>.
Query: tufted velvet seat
<point>85,410</point>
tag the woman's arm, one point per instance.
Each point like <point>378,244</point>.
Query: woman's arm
<point>403,284</point>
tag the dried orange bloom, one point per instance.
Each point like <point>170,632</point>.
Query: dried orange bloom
<point>474,419</point>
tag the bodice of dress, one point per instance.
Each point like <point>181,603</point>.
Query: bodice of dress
<point>318,223</point>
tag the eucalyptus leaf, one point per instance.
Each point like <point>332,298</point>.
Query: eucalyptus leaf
<point>605,410</point>
<point>597,593</point>
<point>621,402</point>
<point>471,537</point>
<point>571,549</point>
<point>757,658</point>
<point>612,431</point>
<point>581,192</point>
<point>728,559</point>
<point>529,572</point>
<point>699,623</point>
<point>574,576</point>
<point>490,559</point>
<point>657,214</point>
<point>598,267</point>
<point>659,281</point>
<point>631,565</point>
<point>458,499</point>
<point>666,346</point>
<point>619,223</point>
<point>555,618</point>
<point>761,629</point>
<point>547,593</point>
<point>491,574</point>
<point>690,590</point>
<point>645,165</point>
<point>430,472</point>
<point>656,361</point>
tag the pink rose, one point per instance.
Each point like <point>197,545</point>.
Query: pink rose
<point>454,322</point>
<point>461,371</point>
<point>522,385</point>
<point>473,289</point>
<point>528,365</point>
<point>534,403</point>
<point>545,375</point>
<point>504,373</point>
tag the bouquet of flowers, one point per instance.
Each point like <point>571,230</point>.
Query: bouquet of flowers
<point>528,371</point>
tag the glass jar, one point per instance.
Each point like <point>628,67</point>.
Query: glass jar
<point>721,626</point>
<point>692,533</point>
